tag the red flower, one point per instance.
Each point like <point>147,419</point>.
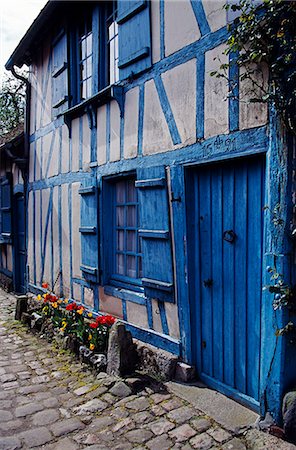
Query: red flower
<point>72,307</point>
<point>106,320</point>
<point>47,297</point>
<point>44,285</point>
<point>53,298</point>
<point>94,325</point>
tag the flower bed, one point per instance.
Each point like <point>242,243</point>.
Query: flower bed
<point>74,327</point>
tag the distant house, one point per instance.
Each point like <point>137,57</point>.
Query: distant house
<point>13,165</point>
<point>146,186</point>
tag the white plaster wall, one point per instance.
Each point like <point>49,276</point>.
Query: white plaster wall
<point>85,143</point>
<point>65,149</point>
<point>45,193</point>
<point>131,113</point>
<point>172,319</point>
<point>47,81</point>
<point>215,13</point>
<point>216,91</point>
<point>181,26</point>
<point>75,145</point>
<point>89,297</point>
<point>137,314</point>
<point>155,30</point>
<point>101,135</point>
<point>76,245</point>
<point>38,159</point>
<point>180,86</point>
<point>114,131</point>
<point>156,135</point>
<point>31,161</point>
<point>77,292</point>
<point>253,114</point>
<point>65,241</point>
<point>56,244</point>
<point>39,93</point>
<point>156,317</point>
<point>109,304</point>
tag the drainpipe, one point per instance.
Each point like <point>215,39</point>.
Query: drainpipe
<point>25,167</point>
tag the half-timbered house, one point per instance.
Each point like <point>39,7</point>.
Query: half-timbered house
<point>147,185</point>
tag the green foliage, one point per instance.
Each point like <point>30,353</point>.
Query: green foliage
<point>265,34</point>
<point>12,103</point>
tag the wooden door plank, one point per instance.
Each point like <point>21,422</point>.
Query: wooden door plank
<point>228,275</point>
<point>217,272</point>
<point>206,270</point>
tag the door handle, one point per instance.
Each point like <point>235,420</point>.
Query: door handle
<point>208,283</point>
<point>229,236</point>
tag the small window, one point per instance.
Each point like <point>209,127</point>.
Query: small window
<point>85,49</point>
<point>124,253</point>
<point>112,33</point>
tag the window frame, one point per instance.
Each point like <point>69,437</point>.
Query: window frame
<point>100,13</point>
<point>109,235</point>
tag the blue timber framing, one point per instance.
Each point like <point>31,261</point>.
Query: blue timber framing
<point>264,141</point>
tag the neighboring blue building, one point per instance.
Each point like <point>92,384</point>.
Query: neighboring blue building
<point>147,185</point>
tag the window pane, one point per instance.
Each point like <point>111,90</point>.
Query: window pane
<point>89,66</point>
<point>83,49</point>
<point>131,267</point>
<point>120,192</point>
<point>131,216</point>
<point>140,267</point>
<point>120,264</point>
<point>83,90</point>
<point>131,192</point>
<point>89,44</point>
<point>120,240</point>
<point>120,216</point>
<point>88,88</point>
<point>131,241</point>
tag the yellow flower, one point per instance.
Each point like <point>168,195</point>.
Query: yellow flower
<point>66,300</point>
<point>60,301</point>
<point>39,297</point>
<point>80,311</point>
<point>91,347</point>
<point>63,328</point>
<point>44,295</point>
<point>89,337</point>
<point>90,314</point>
<point>54,305</point>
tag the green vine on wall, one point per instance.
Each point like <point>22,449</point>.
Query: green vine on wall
<point>263,35</point>
<point>283,293</point>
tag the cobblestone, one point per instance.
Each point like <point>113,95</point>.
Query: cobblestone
<point>44,406</point>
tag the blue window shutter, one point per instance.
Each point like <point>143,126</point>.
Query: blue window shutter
<point>6,223</point>
<point>60,73</point>
<point>89,232</point>
<point>155,233</point>
<point>134,37</point>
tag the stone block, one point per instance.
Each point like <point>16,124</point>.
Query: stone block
<point>184,372</point>
<point>122,355</point>
<point>289,416</point>
<point>156,362</point>
<point>21,306</point>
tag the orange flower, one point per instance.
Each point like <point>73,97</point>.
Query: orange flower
<point>80,310</point>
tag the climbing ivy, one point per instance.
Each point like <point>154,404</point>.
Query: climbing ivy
<point>264,34</point>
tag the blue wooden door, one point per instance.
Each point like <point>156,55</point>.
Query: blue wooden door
<point>19,244</point>
<point>225,233</point>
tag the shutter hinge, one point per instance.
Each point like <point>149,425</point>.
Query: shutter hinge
<point>176,199</point>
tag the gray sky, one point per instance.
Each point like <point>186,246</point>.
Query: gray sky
<point>15,18</point>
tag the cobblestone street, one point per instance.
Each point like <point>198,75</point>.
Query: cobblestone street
<point>49,400</point>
